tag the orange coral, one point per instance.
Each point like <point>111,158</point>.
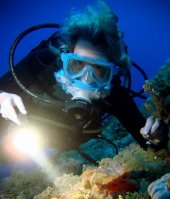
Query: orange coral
<point>123,183</point>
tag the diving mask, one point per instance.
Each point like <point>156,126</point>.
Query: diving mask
<point>88,71</point>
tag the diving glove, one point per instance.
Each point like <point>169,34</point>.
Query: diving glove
<point>9,104</point>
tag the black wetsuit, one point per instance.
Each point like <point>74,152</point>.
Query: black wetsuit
<point>36,70</point>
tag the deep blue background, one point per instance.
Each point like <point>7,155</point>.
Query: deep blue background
<point>145,24</point>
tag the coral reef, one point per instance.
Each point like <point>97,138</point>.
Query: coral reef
<point>61,185</point>
<point>23,184</point>
<point>161,80</point>
<point>160,188</point>
<point>159,88</point>
<point>137,159</point>
<point>157,105</point>
<point>72,161</point>
<point>116,177</point>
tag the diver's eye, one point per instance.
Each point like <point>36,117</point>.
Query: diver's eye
<point>74,66</point>
<point>97,71</point>
<point>78,66</point>
<point>96,67</point>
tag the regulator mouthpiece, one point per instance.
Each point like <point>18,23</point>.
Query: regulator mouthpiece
<point>79,109</point>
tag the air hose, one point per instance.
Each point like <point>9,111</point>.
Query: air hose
<point>61,125</point>
<point>140,92</point>
<point>57,103</point>
<point>132,92</point>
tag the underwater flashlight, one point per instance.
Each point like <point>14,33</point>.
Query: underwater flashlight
<point>23,142</point>
<point>26,138</point>
<point>26,141</point>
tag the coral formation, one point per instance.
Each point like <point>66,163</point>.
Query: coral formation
<point>61,185</point>
<point>115,176</point>
<point>127,176</point>
<point>159,188</point>
<point>157,105</point>
<point>23,184</point>
<point>161,81</point>
<point>159,88</point>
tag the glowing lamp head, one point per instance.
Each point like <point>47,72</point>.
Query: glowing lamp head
<point>22,143</point>
<point>26,141</point>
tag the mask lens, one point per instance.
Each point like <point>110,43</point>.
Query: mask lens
<point>99,72</point>
<point>75,66</point>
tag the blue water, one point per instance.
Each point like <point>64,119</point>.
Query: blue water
<point>26,165</point>
<point>6,169</point>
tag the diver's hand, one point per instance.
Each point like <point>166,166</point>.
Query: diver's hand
<point>8,102</point>
<point>153,130</point>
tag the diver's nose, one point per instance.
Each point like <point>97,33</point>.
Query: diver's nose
<point>87,78</point>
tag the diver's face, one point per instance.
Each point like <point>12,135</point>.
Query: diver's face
<point>86,49</point>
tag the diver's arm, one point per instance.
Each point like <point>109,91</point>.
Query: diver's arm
<point>11,103</point>
<point>28,70</point>
<point>30,67</point>
<point>124,108</point>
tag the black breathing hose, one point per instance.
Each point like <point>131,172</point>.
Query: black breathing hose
<point>139,93</point>
<point>132,92</point>
<point>11,60</point>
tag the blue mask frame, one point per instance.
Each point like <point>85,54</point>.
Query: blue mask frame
<point>99,83</point>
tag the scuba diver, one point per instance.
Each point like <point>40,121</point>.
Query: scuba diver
<point>81,66</point>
